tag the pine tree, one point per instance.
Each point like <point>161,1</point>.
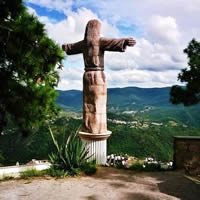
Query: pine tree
<point>190,94</point>
<point>28,74</point>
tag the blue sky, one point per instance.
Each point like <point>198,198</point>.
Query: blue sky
<point>162,30</point>
<point>44,11</point>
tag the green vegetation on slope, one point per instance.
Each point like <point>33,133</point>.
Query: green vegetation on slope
<point>155,141</point>
<point>14,147</point>
<point>146,138</point>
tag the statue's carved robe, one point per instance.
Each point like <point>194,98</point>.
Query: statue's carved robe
<point>94,80</point>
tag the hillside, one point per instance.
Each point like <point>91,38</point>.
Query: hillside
<point>142,121</point>
<point>143,103</point>
<point>141,140</point>
<point>120,98</point>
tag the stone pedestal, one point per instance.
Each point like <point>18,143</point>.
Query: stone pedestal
<point>97,145</point>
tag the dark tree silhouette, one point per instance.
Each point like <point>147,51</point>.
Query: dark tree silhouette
<point>190,94</point>
<point>27,68</point>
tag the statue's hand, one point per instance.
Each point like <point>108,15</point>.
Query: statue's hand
<point>130,42</point>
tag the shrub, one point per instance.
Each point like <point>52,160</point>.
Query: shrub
<point>148,167</point>
<point>137,166</point>
<point>152,167</point>
<point>70,156</point>
<point>89,167</point>
<point>55,172</point>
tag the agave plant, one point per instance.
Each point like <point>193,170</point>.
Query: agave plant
<point>71,156</point>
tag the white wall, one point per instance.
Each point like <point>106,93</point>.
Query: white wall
<point>14,171</point>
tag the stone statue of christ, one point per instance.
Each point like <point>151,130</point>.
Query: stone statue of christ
<point>94,81</point>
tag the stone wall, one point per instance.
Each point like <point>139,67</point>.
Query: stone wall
<point>187,154</point>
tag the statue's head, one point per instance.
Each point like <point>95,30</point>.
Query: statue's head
<point>92,31</point>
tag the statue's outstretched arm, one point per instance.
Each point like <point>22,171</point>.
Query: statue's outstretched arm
<point>120,45</point>
<point>73,48</point>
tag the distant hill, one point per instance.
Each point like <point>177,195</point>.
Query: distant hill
<point>120,97</point>
<point>70,100</point>
<point>146,103</point>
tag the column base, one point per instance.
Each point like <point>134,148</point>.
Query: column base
<point>97,145</point>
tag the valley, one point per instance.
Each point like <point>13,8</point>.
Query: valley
<point>143,123</point>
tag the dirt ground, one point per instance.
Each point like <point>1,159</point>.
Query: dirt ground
<point>107,184</point>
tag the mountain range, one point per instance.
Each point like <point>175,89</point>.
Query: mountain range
<point>147,103</point>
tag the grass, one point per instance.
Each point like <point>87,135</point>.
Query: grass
<point>88,168</point>
<point>32,173</point>
<point>47,172</point>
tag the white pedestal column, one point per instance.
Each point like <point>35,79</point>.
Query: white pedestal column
<point>97,145</point>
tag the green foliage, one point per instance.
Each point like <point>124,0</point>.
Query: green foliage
<point>47,172</point>
<point>189,95</point>
<point>31,173</point>
<point>89,167</point>
<point>27,68</point>
<point>70,155</point>
<point>137,166</point>
<point>151,167</point>
<point>155,141</point>
<point>38,145</point>
<point>2,159</point>
<point>56,172</point>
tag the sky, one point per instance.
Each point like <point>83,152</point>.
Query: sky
<point>162,29</point>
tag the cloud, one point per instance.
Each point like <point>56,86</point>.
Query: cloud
<point>147,56</point>
<point>162,30</point>
<point>141,78</point>
<point>185,13</point>
<point>70,78</point>
<point>73,27</point>
<point>31,11</point>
